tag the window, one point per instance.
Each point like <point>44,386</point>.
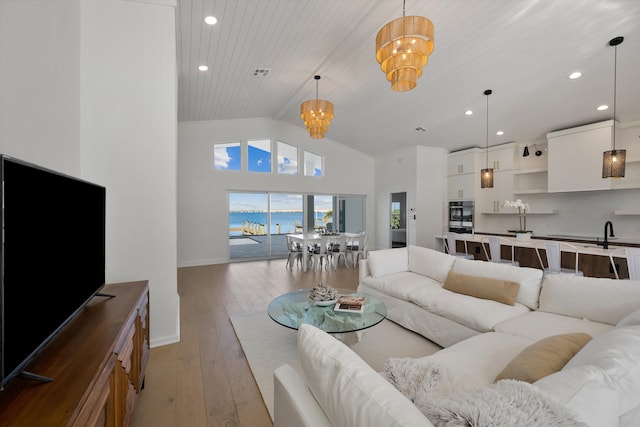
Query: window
<point>226,156</point>
<point>259,155</point>
<point>287,159</point>
<point>312,164</point>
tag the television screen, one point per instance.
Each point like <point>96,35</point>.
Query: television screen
<point>52,258</point>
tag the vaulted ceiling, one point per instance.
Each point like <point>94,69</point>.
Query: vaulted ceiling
<point>523,50</point>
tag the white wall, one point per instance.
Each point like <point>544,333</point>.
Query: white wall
<point>421,173</point>
<point>40,82</point>
<point>89,89</point>
<point>203,211</point>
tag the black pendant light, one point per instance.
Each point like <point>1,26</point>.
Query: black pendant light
<point>613,161</point>
<point>486,175</point>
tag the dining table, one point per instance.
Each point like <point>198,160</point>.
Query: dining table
<point>307,240</point>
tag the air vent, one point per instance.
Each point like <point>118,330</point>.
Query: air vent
<point>261,72</point>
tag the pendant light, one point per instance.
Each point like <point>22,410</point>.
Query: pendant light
<point>486,175</point>
<point>316,114</point>
<point>613,162</point>
<point>403,47</point>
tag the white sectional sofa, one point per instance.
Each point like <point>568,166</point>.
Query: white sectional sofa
<point>534,339</point>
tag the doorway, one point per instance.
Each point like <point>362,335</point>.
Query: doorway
<point>398,217</point>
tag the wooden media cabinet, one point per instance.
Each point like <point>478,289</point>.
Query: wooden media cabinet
<point>97,363</point>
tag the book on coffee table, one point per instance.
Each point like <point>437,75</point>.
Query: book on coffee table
<point>350,304</point>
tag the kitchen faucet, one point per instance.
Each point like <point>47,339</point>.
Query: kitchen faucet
<point>605,243</point>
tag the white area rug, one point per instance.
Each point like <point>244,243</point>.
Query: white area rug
<point>268,345</point>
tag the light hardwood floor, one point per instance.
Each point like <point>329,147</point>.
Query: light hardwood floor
<point>204,380</point>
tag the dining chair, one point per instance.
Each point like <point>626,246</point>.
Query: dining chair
<point>495,250</point>
<point>338,248</point>
<point>553,250</point>
<point>296,254</point>
<point>357,248</point>
<point>318,253</point>
<point>633,263</point>
<point>450,240</point>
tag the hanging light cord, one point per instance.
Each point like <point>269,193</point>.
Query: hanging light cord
<point>403,5</point>
<point>615,78</point>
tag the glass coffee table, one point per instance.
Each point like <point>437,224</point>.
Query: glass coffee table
<point>295,308</point>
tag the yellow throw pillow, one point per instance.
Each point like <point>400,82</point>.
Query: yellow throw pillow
<point>504,291</point>
<point>544,357</point>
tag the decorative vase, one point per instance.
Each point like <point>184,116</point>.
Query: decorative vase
<point>523,237</point>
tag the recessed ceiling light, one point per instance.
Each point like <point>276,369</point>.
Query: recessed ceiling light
<point>203,68</point>
<point>468,112</point>
<point>602,108</point>
<point>575,75</point>
<point>211,20</point>
<point>500,133</point>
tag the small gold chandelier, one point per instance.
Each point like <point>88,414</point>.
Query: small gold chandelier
<point>403,47</point>
<point>316,114</point>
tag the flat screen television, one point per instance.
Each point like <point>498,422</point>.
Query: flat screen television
<point>52,259</point>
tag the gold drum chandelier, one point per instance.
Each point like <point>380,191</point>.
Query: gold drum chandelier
<point>316,114</point>
<point>403,47</point>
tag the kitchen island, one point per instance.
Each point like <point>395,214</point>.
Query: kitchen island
<point>594,260</point>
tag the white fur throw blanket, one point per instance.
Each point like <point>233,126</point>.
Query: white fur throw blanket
<point>507,403</point>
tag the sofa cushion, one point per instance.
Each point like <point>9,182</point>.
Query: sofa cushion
<point>584,390</point>
<point>474,362</point>
<point>400,285</point>
<point>544,357</point>
<point>499,290</point>
<point>528,278</point>
<point>476,313</point>
<point>537,325</point>
<point>430,263</point>
<point>349,391</point>
<point>617,353</point>
<point>388,261</point>
<point>601,300</point>
<point>630,319</point>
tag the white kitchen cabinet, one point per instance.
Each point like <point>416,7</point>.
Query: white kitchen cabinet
<point>462,187</point>
<point>462,168</point>
<point>492,199</point>
<point>501,157</point>
<point>575,158</point>
<point>463,162</point>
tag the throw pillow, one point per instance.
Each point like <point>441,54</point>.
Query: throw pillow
<point>388,261</point>
<point>544,357</point>
<point>350,392</point>
<point>503,291</point>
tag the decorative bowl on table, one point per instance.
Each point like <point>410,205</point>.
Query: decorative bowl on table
<point>323,295</point>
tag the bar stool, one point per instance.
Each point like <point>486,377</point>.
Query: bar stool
<point>495,250</point>
<point>553,250</point>
<point>450,241</point>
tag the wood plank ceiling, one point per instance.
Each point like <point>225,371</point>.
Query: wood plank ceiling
<point>523,50</point>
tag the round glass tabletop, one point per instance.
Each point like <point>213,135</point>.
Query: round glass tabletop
<point>295,308</point>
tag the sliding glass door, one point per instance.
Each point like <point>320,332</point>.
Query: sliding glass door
<point>259,222</point>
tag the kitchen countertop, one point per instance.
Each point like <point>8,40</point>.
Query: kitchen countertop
<point>584,244</point>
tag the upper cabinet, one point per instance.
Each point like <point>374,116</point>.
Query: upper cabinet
<point>575,158</point>
<point>463,168</point>
<point>463,162</point>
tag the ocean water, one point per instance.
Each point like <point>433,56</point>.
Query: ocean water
<point>286,220</point>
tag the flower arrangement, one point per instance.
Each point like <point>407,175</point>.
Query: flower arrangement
<point>522,213</point>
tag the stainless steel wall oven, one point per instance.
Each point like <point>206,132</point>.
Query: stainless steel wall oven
<point>461,216</point>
